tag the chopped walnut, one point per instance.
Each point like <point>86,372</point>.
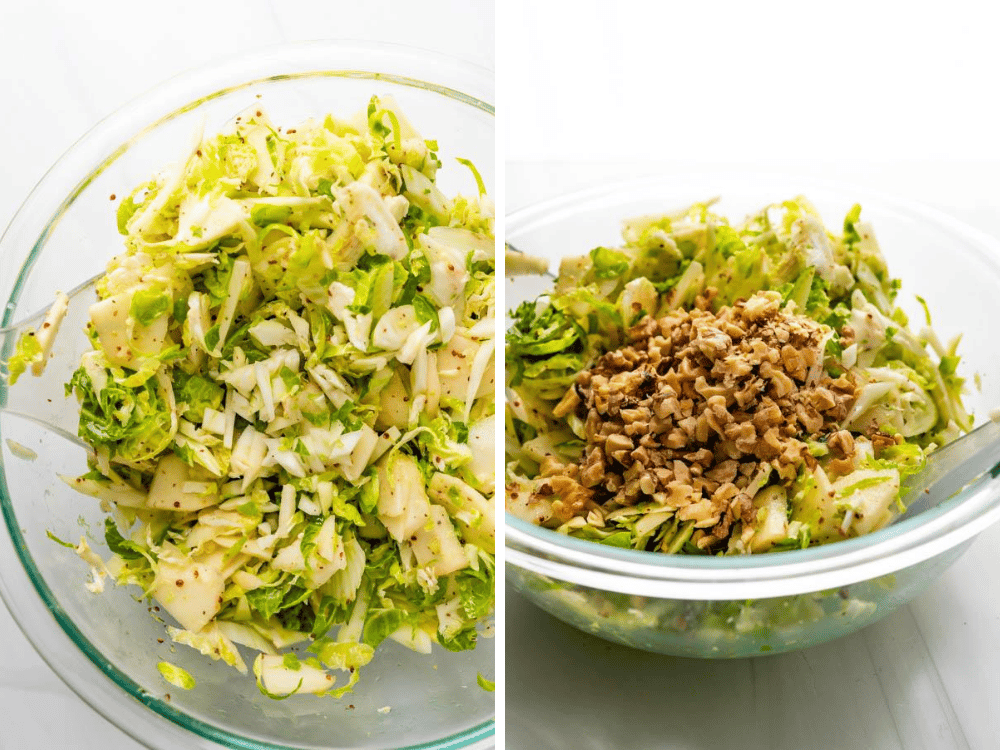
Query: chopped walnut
<point>694,407</point>
<point>881,441</point>
<point>568,404</point>
<point>841,445</point>
<point>569,497</point>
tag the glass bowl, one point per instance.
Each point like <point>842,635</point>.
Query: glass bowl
<point>106,647</point>
<point>727,607</point>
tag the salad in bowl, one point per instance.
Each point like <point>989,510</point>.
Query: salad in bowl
<point>716,387</point>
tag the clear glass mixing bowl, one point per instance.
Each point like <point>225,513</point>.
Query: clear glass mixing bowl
<point>719,607</point>
<point>106,647</point>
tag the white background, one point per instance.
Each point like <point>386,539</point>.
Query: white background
<point>63,67</point>
<point>896,96</point>
<point>886,95</point>
<point>720,81</point>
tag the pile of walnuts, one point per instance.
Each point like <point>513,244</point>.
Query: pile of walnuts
<point>696,411</point>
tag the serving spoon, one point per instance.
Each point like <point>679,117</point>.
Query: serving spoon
<point>952,467</point>
<point>43,399</point>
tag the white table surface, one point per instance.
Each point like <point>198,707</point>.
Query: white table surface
<point>925,678</point>
<point>63,67</point>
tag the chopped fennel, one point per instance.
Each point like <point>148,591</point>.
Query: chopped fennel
<point>290,399</point>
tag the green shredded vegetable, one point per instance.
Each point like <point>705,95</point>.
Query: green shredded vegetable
<point>176,676</point>
<point>27,351</point>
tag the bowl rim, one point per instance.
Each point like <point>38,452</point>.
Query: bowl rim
<point>908,542</point>
<point>449,76</point>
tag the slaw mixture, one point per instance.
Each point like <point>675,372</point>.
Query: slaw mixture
<point>717,388</point>
<point>290,398</point>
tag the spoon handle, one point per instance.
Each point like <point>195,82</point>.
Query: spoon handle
<point>43,398</point>
<point>952,467</point>
<point>518,263</point>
